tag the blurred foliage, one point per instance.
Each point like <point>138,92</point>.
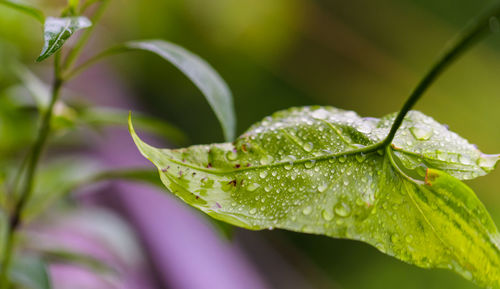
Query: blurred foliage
<point>362,55</point>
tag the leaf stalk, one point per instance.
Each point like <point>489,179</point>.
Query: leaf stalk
<point>466,38</point>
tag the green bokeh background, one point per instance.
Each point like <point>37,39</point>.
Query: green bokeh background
<point>361,55</point>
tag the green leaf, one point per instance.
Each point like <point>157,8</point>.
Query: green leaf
<point>69,257</point>
<point>57,31</point>
<point>112,116</point>
<point>318,170</point>
<point>30,272</point>
<point>24,8</point>
<point>208,81</point>
<point>55,181</point>
<point>36,87</point>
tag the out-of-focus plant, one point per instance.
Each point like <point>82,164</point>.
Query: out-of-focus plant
<point>26,192</point>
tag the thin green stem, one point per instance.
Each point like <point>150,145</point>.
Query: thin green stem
<point>473,31</point>
<point>80,44</point>
<point>34,157</point>
<point>87,4</point>
<point>38,147</point>
<point>8,252</point>
<point>91,61</point>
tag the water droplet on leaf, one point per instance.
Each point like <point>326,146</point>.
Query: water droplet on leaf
<point>342,209</point>
<point>421,133</point>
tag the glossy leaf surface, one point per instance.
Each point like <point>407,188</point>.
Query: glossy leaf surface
<point>316,170</point>
<point>24,8</point>
<point>208,81</point>
<point>57,31</point>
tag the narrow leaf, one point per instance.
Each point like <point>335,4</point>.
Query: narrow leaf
<point>208,81</point>
<point>36,87</point>
<point>112,116</point>
<point>24,8</point>
<point>30,272</point>
<point>75,258</point>
<point>314,170</point>
<point>57,31</point>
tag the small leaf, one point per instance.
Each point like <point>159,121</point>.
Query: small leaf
<point>30,272</point>
<point>201,74</point>
<point>315,170</point>
<point>24,8</point>
<point>57,31</point>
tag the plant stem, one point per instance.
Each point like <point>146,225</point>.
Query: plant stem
<point>36,152</point>
<point>92,60</point>
<point>38,147</point>
<point>75,52</point>
<point>469,35</point>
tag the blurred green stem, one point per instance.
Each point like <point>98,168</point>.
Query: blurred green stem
<point>38,147</point>
<point>32,164</point>
<point>79,69</point>
<point>77,49</point>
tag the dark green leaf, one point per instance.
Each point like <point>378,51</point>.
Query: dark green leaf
<point>24,8</point>
<point>317,170</point>
<point>57,31</point>
<point>201,74</point>
<point>30,272</point>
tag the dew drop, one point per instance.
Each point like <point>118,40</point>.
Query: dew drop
<point>308,146</point>
<point>395,238</point>
<point>421,133</point>
<point>327,215</point>
<point>265,160</point>
<point>307,210</point>
<point>263,174</point>
<point>322,188</point>
<point>464,159</point>
<point>231,155</point>
<point>320,113</point>
<point>252,187</point>
<point>309,164</point>
<point>253,211</point>
<point>342,209</point>
<point>342,159</point>
<point>360,157</point>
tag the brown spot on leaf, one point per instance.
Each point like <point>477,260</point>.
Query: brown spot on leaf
<point>430,177</point>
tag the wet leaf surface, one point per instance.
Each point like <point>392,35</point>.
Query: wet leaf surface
<point>316,170</point>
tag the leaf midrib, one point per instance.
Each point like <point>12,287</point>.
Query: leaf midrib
<point>54,44</point>
<point>367,149</point>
